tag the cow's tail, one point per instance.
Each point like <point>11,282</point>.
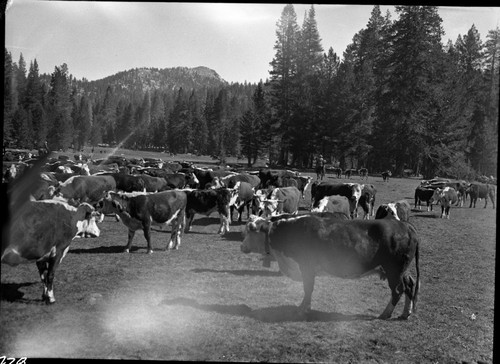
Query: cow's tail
<point>417,267</point>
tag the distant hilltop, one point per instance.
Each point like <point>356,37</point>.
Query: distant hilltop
<point>145,79</point>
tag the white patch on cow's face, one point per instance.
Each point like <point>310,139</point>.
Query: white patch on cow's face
<point>322,205</point>
<point>270,207</point>
<point>392,209</point>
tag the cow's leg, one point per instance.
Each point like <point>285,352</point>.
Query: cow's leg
<point>409,284</point>
<point>397,288</point>
<point>448,212</point>
<point>131,234</point>
<point>43,268</point>
<point>190,217</point>
<point>146,227</point>
<point>308,282</point>
<point>52,264</point>
<point>442,211</point>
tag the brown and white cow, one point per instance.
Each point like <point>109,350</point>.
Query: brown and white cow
<point>363,173</point>
<point>282,200</point>
<point>446,197</point>
<point>42,231</point>
<point>350,190</point>
<point>399,210</point>
<point>333,203</point>
<point>143,210</point>
<point>386,175</point>
<point>244,198</point>
<point>307,245</point>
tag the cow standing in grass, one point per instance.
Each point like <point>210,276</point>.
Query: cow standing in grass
<point>309,244</point>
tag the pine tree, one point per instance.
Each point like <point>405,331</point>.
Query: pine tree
<point>10,98</point>
<point>59,115</point>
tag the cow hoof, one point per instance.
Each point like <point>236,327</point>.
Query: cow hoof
<point>404,316</point>
<point>150,251</point>
<point>126,250</point>
<point>384,317</point>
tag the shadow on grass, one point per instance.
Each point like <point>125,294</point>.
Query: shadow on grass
<point>285,313</point>
<point>431,216</point>
<point>10,292</point>
<point>233,236</point>
<point>115,249</point>
<point>243,272</point>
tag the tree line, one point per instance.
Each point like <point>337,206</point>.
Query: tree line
<point>399,99</point>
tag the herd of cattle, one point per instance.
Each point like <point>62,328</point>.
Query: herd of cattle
<point>68,198</point>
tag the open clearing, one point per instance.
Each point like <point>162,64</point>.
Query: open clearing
<point>208,301</point>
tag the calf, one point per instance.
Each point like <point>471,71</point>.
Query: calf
<point>446,197</point>
<point>142,210</point>
<point>42,231</point>
<point>207,201</point>
<point>309,244</point>
<point>480,190</point>
<point>399,210</point>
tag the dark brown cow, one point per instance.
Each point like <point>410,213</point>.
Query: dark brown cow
<point>386,175</point>
<point>480,190</point>
<point>42,231</point>
<point>207,201</point>
<point>143,210</point>
<point>307,245</point>
<point>423,194</point>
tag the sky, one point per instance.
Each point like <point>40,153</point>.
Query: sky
<point>97,39</point>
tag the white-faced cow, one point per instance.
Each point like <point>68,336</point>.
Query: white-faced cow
<point>446,197</point>
<point>480,190</point>
<point>282,200</point>
<point>42,231</point>
<point>309,244</point>
<point>143,210</point>
<point>367,200</point>
<point>399,210</point>
<point>333,203</point>
<point>207,201</point>
<point>350,190</point>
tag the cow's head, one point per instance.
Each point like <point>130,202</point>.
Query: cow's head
<point>85,221</point>
<point>255,235</point>
<point>437,195</point>
<point>270,207</point>
<point>387,211</point>
<point>192,180</point>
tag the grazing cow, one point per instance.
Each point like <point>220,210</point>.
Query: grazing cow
<point>480,190</point>
<point>309,244</point>
<point>244,198</point>
<point>399,210</point>
<point>423,194</point>
<point>207,201</point>
<point>446,197</point>
<point>88,189</point>
<point>143,210</point>
<point>350,190</point>
<point>367,200</point>
<point>363,173</point>
<point>333,203</point>
<point>282,200</point>
<point>386,175</point>
<point>42,231</point>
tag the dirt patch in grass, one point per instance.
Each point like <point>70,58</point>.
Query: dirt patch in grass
<point>208,301</point>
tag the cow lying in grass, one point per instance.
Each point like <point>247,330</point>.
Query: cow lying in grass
<point>308,244</point>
